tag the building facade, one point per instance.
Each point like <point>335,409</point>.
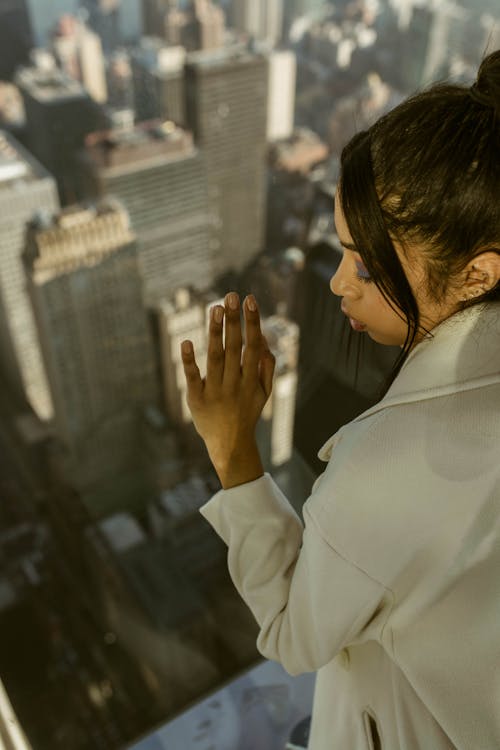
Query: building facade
<point>158,174</point>
<point>158,74</point>
<point>59,113</point>
<point>25,188</point>
<point>227,95</point>
<point>84,284</point>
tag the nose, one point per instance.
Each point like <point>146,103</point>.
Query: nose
<point>342,283</point>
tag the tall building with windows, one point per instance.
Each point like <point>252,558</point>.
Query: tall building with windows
<point>85,289</point>
<point>183,316</point>
<point>158,174</point>
<point>281,106</point>
<point>158,74</point>
<point>59,113</point>
<point>227,110</point>
<point>79,53</point>
<point>260,18</point>
<point>275,430</point>
<point>25,188</point>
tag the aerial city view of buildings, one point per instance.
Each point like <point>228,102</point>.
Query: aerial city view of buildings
<point>154,155</point>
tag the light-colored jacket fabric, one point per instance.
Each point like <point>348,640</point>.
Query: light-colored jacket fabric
<point>391,587</point>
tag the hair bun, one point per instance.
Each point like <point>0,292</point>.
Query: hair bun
<point>486,90</point>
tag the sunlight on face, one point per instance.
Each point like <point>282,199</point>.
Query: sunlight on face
<point>363,302</point>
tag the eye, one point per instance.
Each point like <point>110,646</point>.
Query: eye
<point>362,274</point>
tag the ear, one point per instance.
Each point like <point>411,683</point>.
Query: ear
<point>482,274</point>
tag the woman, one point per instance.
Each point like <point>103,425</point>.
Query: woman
<point>391,587</point>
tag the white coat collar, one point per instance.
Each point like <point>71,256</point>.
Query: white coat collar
<point>463,352</point>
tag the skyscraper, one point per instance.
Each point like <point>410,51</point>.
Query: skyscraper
<point>227,110</point>
<point>25,187</point>
<point>79,52</point>
<point>159,176</point>
<point>59,114</point>
<point>275,430</point>
<point>85,289</point>
<point>206,28</point>
<point>281,106</point>
<point>260,18</point>
<point>158,73</point>
<point>179,318</point>
<point>15,36</point>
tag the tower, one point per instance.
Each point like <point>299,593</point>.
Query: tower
<point>25,188</point>
<point>227,111</point>
<point>84,284</point>
<point>59,114</point>
<point>159,175</point>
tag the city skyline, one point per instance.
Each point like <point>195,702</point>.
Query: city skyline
<point>155,155</point>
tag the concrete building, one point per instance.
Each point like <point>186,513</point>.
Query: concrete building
<point>79,53</point>
<point>148,600</point>
<point>159,175</point>
<point>15,36</point>
<point>182,317</point>
<point>206,27</point>
<point>25,187</point>
<point>158,74</point>
<point>281,104</point>
<point>276,428</point>
<point>227,96</point>
<point>435,35</point>
<point>84,284</point>
<point>262,19</point>
<point>59,113</point>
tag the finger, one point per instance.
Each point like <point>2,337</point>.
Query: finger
<point>215,353</point>
<point>267,367</point>
<point>254,341</point>
<point>191,371</point>
<point>233,341</point>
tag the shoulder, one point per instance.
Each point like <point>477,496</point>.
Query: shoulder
<point>398,476</point>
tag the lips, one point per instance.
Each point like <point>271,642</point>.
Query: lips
<point>356,324</point>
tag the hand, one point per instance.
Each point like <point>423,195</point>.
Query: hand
<point>227,403</point>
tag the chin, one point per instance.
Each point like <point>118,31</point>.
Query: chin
<point>384,339</point>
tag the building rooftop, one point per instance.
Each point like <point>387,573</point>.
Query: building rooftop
<point>74,238</point>
<point>240,52</point>
<point>158,57</point>
<point>47,85</point>
<point>299,153</point>
<point>148,140</point>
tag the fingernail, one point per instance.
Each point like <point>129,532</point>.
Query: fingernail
<point>233,300</point>
<point>251,304</point>
<point>218,314</point>
<point>186,347</point>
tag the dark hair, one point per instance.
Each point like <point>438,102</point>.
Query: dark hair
<point>428,172</point>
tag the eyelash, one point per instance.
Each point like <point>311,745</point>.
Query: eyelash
<point>365,279</point>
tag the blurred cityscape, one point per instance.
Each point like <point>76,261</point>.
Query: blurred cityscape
<point>155,155</point>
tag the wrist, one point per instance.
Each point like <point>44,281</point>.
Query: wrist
<point>238,466</point>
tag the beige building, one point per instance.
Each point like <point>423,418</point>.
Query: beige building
<point>278,417</point>
<point>159,175</point>
<point>85,288</point>
<point>25,187</point>
<point>79,52</point>
<point>183,317</point>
